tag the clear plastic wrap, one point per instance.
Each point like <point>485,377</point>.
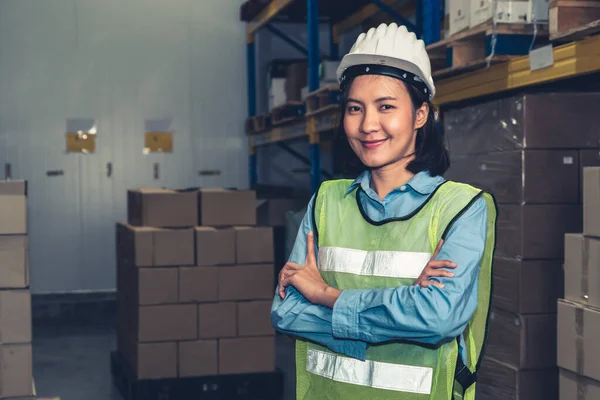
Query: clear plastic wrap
<point>523,341</point>
<point>512,285</point>
<point>525,121</point>
<point>522,176</point>
<point>499,381</point>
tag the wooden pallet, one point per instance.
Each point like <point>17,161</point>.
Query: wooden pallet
<point>581,32</point>
<point>287,113</point>
<point>471,49</point>
<point>259,386</point>
<point>324,99</point>
<point>258,124</point>
<point>568,19</point>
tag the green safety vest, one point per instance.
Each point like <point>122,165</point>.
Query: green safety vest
<point>356,252</point>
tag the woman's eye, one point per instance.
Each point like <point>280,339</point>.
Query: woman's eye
<point>353,109</point>
<point>386,107</point>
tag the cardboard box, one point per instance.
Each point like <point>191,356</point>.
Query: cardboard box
<point>149,360</point>
<point>155,247</point>
<point>578,328</point>
<point>254,318</point>
<point>13,188</point>
<point>527,287</point>
<point>217,320</point>
<point>15,316</point>
<point>162,323</point>
<point>587,158</point>
<point>14,262</point>
<point>499,381</point>
<point>296,79</point>
<point>582,269</point>
<point>460,16</point>
<point>198,284</point>
<point>215,246</point>
<point>509,12</point>
<point>535,231</point>
<point>148,286</point>
<point>277,94</point>
<point>246,282</point>
<point>198,358</point>
<point>16,372</point>
<point>576,387</point>
<point>221,207</point>
<point>254,245</point>
<point>524,121</point>
<point>162,208</point>
<point>591,201</point>
<point>521,177</point>
<point>13,209</point>
<point>523,341</point>
<point>246,355</point>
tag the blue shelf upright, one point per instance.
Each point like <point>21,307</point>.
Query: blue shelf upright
<point>312,7</point>
<point>251,54</point>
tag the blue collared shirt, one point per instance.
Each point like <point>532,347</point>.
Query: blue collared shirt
<point>368,316</point>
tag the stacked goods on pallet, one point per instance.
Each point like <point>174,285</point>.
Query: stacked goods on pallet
<point>579,312</point>
<point>487,31</point>
<point>567,18</point>
<point>525,150</point>
<point>195,284</point>
<point>15,296</point>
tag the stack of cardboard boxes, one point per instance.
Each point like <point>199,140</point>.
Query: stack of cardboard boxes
<point>465,14</point>
<point>579,312</point>
<point>525,150</point>
<point>15,297</point>
<point>195,285</point>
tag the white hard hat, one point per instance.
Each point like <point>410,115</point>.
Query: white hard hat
<point>386,50</point>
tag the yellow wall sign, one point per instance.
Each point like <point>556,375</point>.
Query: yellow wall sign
<point>81,142</point>
<point>158,142</point>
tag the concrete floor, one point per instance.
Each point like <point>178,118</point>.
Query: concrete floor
<point>71,359</point>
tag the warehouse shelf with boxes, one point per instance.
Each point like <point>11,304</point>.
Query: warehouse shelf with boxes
<point>477,49</point>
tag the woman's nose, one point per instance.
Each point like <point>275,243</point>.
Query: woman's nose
<point>370,122</point>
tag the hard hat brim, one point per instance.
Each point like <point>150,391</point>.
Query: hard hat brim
<point>350,60</point>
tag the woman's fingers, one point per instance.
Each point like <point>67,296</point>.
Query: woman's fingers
<point>310,249</point>
<point>425,284</point>
<point>441,264</point>
<point>440,273</point>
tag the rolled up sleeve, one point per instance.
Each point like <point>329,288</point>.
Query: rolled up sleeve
<point>296,316</point>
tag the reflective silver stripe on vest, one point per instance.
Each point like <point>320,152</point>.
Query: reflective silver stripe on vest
<point>379,375</point>
<point>393,264</point>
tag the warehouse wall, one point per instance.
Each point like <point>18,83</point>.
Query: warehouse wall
<point>119,63</point>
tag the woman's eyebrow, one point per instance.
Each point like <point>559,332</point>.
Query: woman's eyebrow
<point>351,100</point>
<point>386,98</point>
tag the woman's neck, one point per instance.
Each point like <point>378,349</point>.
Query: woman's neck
<point>384,180</point>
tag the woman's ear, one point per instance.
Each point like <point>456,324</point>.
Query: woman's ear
<point>421,115</point>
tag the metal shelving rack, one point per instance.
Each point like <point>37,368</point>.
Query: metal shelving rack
<point>570,60</point>
<point>352,13</point>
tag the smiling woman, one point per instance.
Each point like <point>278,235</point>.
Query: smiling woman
<point>388,285</point>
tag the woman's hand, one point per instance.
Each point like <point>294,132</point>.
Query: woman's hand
<point>307,279</point>
<point>432,269</point>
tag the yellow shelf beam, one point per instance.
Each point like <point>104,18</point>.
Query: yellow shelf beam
<point>266,15</point>
<point>570,60</point>
<point>358,17</point>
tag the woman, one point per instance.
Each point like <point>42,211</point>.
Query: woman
<point>397,305</point>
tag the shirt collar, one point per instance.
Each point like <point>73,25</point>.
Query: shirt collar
<point>422,182</point>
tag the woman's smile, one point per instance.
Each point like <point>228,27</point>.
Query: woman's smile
<point>372,144</point>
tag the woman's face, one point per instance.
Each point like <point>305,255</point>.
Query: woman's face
<point>379,121</point>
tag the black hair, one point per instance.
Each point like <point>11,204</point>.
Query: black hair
<point>430,149</point>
